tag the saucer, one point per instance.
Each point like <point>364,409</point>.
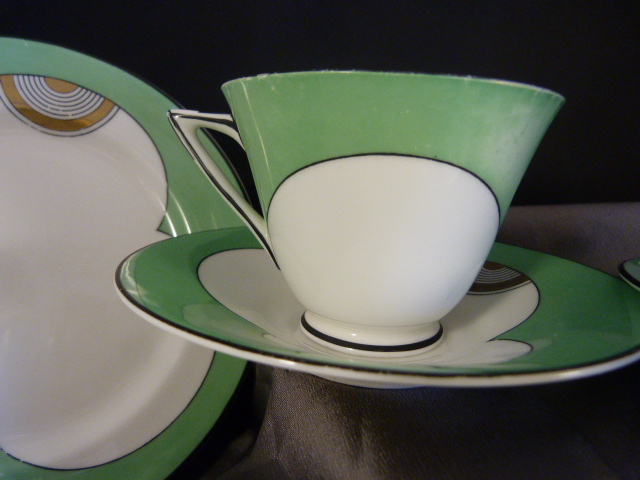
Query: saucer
<point>630,272</point>
<point>530,318</point>
<point>90,171</point>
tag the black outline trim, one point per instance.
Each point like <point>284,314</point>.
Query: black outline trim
<point>152,439</point>
<point>497,292</point>
<point>360,369</point>
<point>417,157</point>
<point>83,103</point>
<point>393,372</point>
<point>74,133</point>
<point>70,50</point>
<point>212,432</point>
<point>167,190</point>
<point>372,348</point>
<point>254,229</point>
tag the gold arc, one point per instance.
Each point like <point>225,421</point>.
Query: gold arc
<point>60,125</point>
<point>60,86</point>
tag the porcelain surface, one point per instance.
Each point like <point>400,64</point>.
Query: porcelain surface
<point>370,183</point>
<point>354,236</point>
<point>529,318</point>
<point>630,272</point>
<point>88,390</point>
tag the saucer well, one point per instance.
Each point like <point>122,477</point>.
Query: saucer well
<point>89,171</point>
<point>530,318</point>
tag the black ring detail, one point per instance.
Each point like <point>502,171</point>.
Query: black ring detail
<point>371,348</point>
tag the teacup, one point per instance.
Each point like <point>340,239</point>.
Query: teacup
<point>382,193</point>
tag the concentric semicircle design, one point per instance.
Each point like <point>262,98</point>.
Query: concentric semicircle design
<point>55,106</point>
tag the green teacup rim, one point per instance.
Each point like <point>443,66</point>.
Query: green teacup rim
<point>373,73</point>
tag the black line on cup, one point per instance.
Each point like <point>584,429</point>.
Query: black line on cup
<point>221,191</point>
<point>372,348</point>
<point>417,157</point>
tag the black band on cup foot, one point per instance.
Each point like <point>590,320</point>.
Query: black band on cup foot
<point>407,348</point>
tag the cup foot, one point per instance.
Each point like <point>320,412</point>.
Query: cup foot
<point>379,342</point>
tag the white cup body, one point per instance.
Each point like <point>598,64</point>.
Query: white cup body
<point>381,244</point>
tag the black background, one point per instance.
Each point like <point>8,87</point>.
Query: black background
<point>587,51</point>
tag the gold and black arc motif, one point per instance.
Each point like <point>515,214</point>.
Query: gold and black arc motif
<point>496,278</point>
<point>55,106</point>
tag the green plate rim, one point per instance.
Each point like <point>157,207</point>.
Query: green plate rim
<point>192,206</point>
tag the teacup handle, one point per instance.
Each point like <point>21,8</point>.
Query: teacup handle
<point>186,123</point>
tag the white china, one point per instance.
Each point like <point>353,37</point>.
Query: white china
<point>72,208</point>
<point>83,181</point>
<point>335,257</point>
<point>382,192</point>
<point>529,318</point>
